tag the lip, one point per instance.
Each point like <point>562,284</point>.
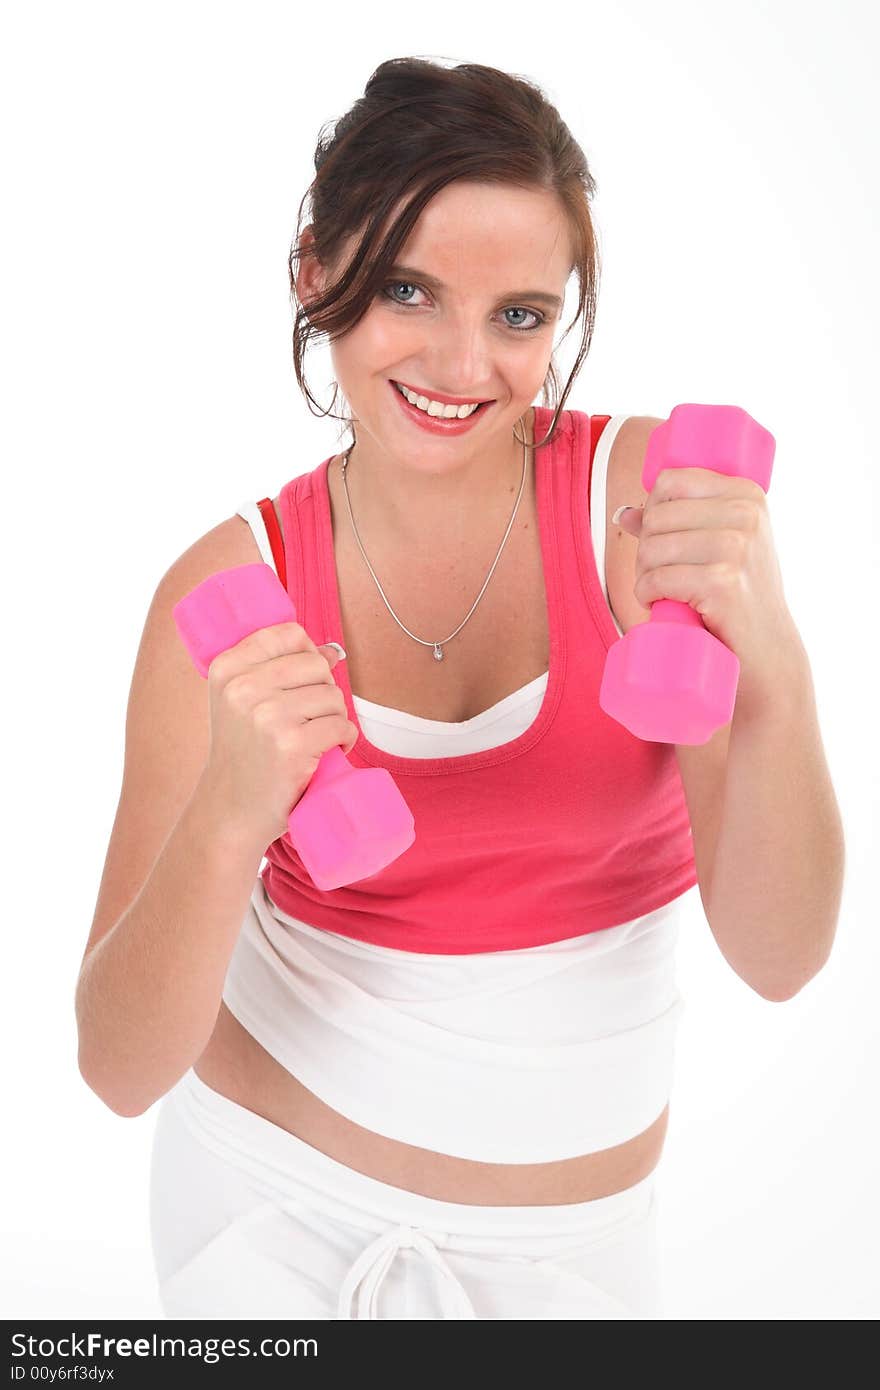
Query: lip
<point>434,424</point>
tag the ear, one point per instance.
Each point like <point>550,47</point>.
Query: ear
<point>310,276</point>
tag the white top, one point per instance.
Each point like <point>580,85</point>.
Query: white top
<point>520,1056</point>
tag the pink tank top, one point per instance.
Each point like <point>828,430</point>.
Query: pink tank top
<point>573,826</point>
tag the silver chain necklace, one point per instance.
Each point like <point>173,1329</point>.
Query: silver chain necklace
<point>438,646</point>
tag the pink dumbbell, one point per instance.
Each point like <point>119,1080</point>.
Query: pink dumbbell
<point>670,679</point>
<point>349,822</point>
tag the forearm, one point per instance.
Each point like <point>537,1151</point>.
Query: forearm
<point>149,992</point>
<point>778,868</point>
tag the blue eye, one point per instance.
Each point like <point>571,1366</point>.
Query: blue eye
<point>388,291</point>
<point>395,284</point>
<point>519,309</point>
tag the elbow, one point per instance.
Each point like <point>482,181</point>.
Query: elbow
<point>112,1103</point>
<point>782,993</point>
<point>97,1083</point>
<point>778,996</point>
<point>93,1069</point>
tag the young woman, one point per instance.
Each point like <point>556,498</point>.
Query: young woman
<point>441,1091</point>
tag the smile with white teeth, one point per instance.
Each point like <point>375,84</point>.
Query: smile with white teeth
<point>436,408</point>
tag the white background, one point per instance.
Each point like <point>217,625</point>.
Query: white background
<point>154,161</point>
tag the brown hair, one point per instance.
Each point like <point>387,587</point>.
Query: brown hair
<point>418,127</point>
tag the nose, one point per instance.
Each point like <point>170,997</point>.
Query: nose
<point>458,359</point>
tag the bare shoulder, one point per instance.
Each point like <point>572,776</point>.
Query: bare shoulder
<point>231,542</point>
<point>624,487</point>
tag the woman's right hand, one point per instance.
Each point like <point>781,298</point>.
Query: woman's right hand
<point>275,710</point>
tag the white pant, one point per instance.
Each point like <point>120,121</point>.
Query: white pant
<point>249,1221</point>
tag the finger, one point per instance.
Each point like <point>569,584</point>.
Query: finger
<point>691,514</point>
<point>629,519</point>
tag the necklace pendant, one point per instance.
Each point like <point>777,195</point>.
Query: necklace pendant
<point>438,652</point>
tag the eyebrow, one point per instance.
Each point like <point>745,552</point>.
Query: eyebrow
<point>410,272</point>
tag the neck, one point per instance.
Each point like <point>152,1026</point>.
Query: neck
<point>411,507</point>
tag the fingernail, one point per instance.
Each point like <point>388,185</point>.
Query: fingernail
<point>617,514</point>
<point>341,650</point>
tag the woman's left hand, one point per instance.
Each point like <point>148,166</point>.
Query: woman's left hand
<point>705,539</point>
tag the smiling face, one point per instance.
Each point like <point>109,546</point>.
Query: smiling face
<point>463,317</point>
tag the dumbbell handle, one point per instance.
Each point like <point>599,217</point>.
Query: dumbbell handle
<point>671,679</point>
<point>670,446</point>
<point>251,601</point>
<point>350,822</point>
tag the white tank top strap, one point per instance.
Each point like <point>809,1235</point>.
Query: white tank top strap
<point>598,491</point>
<point>254,517</point>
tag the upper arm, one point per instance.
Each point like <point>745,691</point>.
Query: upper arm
<point>167,727</point>
<point>702,767</point>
